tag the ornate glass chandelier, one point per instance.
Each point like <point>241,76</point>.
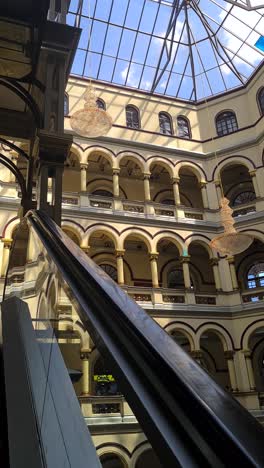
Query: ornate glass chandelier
<point>91,121</point>
<point>230,242</point>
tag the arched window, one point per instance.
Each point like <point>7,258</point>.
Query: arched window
<point>165,123</point>
<point>111,460</point>
<point>183,127</point>
<point>244,197</point>
<point>103,193</point>
<point>255,276</point>
<point>260,98</point>
<point>110,270</point>
<point>100,104</point>
<point>175,279</point>
<point>226,123</point>
<point>132,117</point>
<point>66,104</point>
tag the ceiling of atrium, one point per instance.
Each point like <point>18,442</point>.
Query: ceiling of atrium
<point>188,49</point>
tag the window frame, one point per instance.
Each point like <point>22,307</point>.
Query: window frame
<point>255,278</point>
<point>102,103</point>
<point>232,115</point>
<point>138,117</point>
<point>260,105</point>
<point>168,116</point>
<point>66,104</point>
<point>187,122</point>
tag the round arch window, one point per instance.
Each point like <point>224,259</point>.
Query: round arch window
<point>111,460</point>
<point>244,197</point>
<point>110,270</point>
<point>148,459</point>
<point>103,193</point>
<point>255,276</point>
<point>175,278</point>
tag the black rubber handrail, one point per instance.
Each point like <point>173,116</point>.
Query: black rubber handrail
<point>189,420</point>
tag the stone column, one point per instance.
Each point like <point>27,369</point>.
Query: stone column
<point>153,257</point>
<point>84,177</point>
<point>53,150</point>
<point>14,158</point>
<point>231,261</point>
<point>218,190</point>
<point>86,374</point>
<point>204,194</point>
<point>186,272</point>
<point>116,182</point>
<point>197,355</point>
<point>251,378</point>
<point>217,279</point>
<point>120,266</point>
<point>176,190</point>
<point>255,182</point>
<point>6,254</point>
<point>229,356</point>
<point>147,186</point>
<point>85,249</point>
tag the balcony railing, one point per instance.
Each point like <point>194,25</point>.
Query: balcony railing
<point>244,209</point>
<point>253,295</point>
<point>94,406</point>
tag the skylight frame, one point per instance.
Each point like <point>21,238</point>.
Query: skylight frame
<point>229,64</point>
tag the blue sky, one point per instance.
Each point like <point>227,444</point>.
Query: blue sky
<point>127,37</point>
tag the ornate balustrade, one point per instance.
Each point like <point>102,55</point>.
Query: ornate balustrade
<point>94,406</point>
<point>101,202</point>
<point>133,206</point>
<point>193,213</point>
<point>244,209</point>
<point>253,295</point>
<point>70,198</point>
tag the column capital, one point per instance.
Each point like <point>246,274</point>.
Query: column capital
<point>146,175</point>
<point>85,248</point>
<point>196,354</point>
<point>83,166</point>
<point>253,173</point>
<point>214,261</point>
<point>14,155</point>
<point>7,242</point>
<point>116,170</point>
<point>231,260</point>
<point>229,354</point>
<point>217,182</point>
<point>85,355</point>
<point>120,253</point>
<point>247,353</point>
<point>202,184</point>
<point>175,180</point>
<point>153,255</point>
<point>185,258</point>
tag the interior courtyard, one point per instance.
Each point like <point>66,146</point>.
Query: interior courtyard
<point>144,200</point>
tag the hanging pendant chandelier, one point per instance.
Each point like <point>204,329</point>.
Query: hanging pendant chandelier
<point>230,242</point>
<point>91,121</point>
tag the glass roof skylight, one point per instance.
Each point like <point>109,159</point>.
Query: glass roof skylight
<point>188,49</point>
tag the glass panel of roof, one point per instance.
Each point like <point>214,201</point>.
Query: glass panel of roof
<point>167,46</point>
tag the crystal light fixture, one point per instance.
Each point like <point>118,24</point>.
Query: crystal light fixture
<point>230,242</point>
<point>91,121</point>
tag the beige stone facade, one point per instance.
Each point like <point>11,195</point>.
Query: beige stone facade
<point>144,206</point>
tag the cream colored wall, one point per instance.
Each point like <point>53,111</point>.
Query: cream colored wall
<point>202,117</point>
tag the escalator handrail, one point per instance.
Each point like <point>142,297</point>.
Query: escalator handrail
<point>188,418</point>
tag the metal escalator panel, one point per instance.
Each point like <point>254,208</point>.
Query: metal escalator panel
<point>185,415</point>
